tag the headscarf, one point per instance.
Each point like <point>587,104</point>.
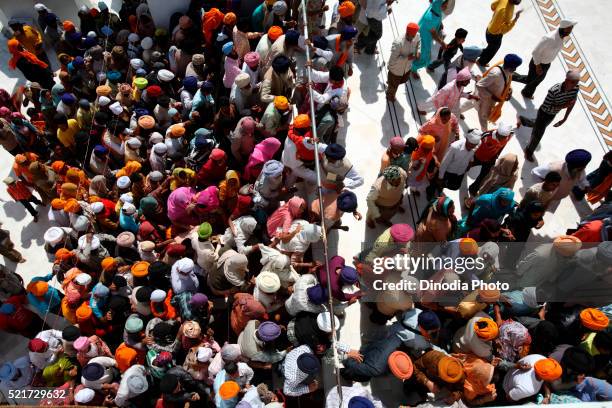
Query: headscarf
<point>98,186</point>
<point>17,54</point>
<point>130,168</point>
<point>391,173</point>
<point>211,20</point>
<point>264,151</point>
<point>512,335</point>
<point>226,190</point>
<point>489,206</point>
<point>284,215</point>
<point>425,152</point>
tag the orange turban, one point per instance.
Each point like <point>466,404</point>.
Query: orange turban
<point>229,390</point>
<point>108,263</point>
<point>486,329</point>
<point>84,312</point>
<point>125,357</point>
<point>567,245</point>
<point>177,130</point>
<point>548,369</point>
<point>400,365</point>
<point>427,142</point>
<point>468,246</point>
<point>412,29</point>
<point>274,32</point>
<point>346,9</point>
<point>68,25</point>
<point>72,206</point>
<point>58,204</point>
<point>146,122</point>
<point>130,168</point>
<point>594,319</point>
<point>103,90</point>
<point>38,288</point>
<point>229,18</point>
<point>450,369</point>
<point>281,103</point>
<point>63,254</point>
<point>140,269</point>
<point>301,121</point>
<point>57,166</point>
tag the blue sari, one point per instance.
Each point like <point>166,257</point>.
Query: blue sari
<point>431,20</point>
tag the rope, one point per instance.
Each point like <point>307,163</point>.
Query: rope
<point>321,209</point>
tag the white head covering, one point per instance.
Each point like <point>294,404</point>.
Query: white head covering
<point>95,242</point>
<point>133,37</point>
<point>137,384</point>
<point>103,100</point>
<point>116,108</point>
<point>204,354</point>
<point>185,265</point>
<point>268,282</point>
<point>92,34</point>
<point>97,207</point>
<point>134,142</point>
<point>84,396</point>
<point>124,182</point>
<point>136,63</point>
<point>567,22</point>
<point>53,235</point>
<point>474,136</point>
<point>40,7</point>
<point>165,75</point>
<point>158,295</point>
<point>128,208</point>
<point>126,198</point>
<point>324,322</point>
<point>504,129</point>
<point>156,175</point>
<point>529,297</point>
<point>146,43</point>
<point>155,138</point>
<point>83,279</point>
<point>160,148</point>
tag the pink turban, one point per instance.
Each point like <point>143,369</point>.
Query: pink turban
<point>209,198</point>
<point>464,74</point>
<point>251,58</point>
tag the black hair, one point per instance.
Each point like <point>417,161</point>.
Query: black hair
<point>231,368</point>
<point>60,119</point>
<point>552,177</point>
<point>336,73</point>
<point>461,33</point>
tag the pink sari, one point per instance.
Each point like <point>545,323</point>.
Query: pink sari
<point>440,131</point>
<point>264,151</point>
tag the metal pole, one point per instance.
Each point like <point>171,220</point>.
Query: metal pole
<point>321,210</point>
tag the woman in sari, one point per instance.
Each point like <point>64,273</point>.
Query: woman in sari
<point>441,126</point>
<point>430,26</point>
<point>213,171</point>
<point>98,187</point>
<point>228,191</point>
<point>279,223</point>
<point>188,207</point>
<point>420,174</point>
<point>494,206</point>
<point>243,139</point>
<point>263,152</point>
<point>437,224</point>
<point>513,342</point>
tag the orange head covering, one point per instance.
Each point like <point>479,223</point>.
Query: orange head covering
<point>69,190</point>
<point>548,369</point>
<point>130,168</point>
<point>140,269</point>
<point>18,53</point>
<point>424,151</point>
<point>450,370</point>
<point>58,204</point>
<point>346,9</point>
<point>567,245</point>
<point>229,19</point>
<point>400,364</point>
<point>68,25</point>
<point>74,175</point>
<point>177,130</point>
<point>301,121</point>
<point>21,159</point>
<point>108,263</point>
<point>489,295</point>
<point>57,166</point>
<point>84,312</point>
<point>104,90</point>
<point>594,319</point>
<point>125,357</point>
<point>412,29</point>
<point>72,206</point>
<point>281,103</point>
<point>38,288</point>
<point>229,390</point>
<point>211,20</point>
<point>274,32</point>
<point>63,254</point>
<point>468,246</point>
<point>486,329</point>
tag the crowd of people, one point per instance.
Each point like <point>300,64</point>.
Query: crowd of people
<point>179,171</point>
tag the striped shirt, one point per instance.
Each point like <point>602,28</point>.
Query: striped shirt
<point>558,98</point>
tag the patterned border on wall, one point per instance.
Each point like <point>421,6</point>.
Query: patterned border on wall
<point>573,57</point>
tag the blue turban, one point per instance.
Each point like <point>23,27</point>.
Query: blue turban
<point>428,320</point>
<point>113,76</point>
<point>73,36</point>
<point>348,33</point>
<point>347,201</point>
<point>280,64</point>
<point>471,52</point>
<point>227,48</point>
<point>578,158</point>
<point>291,37</point>
<point>93,371</point>
<point>7,371</point>
<point>207,85</point>
<point>320,42</point>
<point>100,290</point>
<point>141,72</point>
<point>68,98</point>
<point>89,42</point>
<point>190,82</point>
<point>138,112</point>
<point>7,308</point>
<point>360,402</point>
<point>317,294</point>
<point>349,275</point>
<point>308,363</point>
<point>84,103</point>
<point>335,151</point>
<point>273,168</point>
<point>107,31</point>
<point>78,61</point>
<point>512,61</point>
